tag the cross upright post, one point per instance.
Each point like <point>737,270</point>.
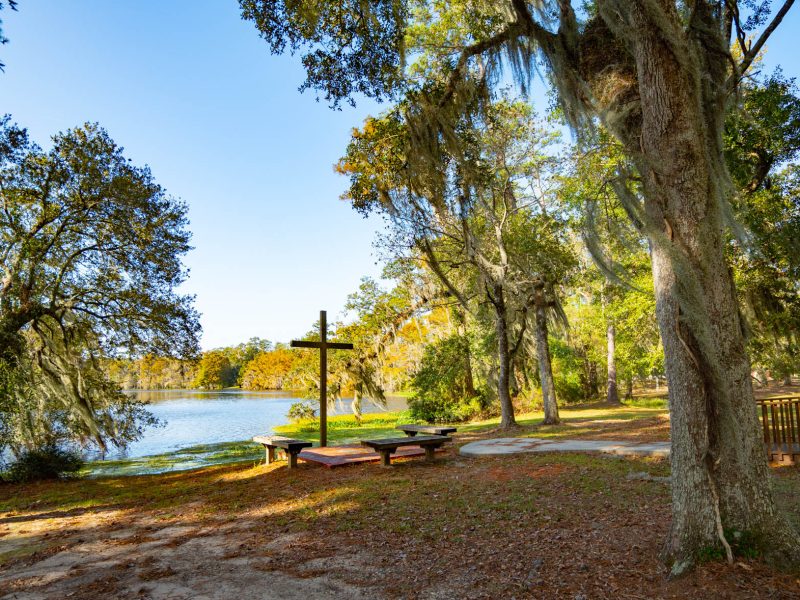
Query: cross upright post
<point>323,346</point>
<point>323,378</point>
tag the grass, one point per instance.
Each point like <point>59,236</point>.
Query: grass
<point>424,523</point>
<point>571,421</point>
<point>344,429</point>
<point>651,402</point>
<point>574,513</point>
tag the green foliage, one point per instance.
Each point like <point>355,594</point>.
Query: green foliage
<point>743,544</point>
<point>47,462</point>
<point>440,384</point>
<point>567,372</point>
<point>760,138</point>
<point>301,411</point>
<point>151,372</point>
<point>369,37</point>
<point>479,213</point>
<point>763,133</point>
<point>90,259</point>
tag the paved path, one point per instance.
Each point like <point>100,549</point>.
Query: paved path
<point>500,446</point>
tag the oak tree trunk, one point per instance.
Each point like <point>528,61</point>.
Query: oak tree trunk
<point>507,419</point>
<point>594,380</point>
<point>514,378</point>
<point>545,368</point>
<point>469,381</point>
<point>720,477</point>
<point>612,394</point>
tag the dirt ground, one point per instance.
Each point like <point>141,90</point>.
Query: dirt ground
<point>525,526</point>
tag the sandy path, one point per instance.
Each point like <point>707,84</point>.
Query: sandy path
<point>147,560</point>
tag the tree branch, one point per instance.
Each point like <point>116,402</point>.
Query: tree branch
<point>756,48</point>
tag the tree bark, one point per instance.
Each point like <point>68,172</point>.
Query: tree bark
<point>594,380</point>
<point>507,419</point>
<point>545,367</point>
<point>514,379</point>
<point>612,394</point>
<point>629,388</point>
<point>469,381</point>
<point>720,478</point>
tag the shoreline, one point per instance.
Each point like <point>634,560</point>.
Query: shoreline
<point>342,429</point>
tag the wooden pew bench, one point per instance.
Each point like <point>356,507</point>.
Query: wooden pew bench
<point>412,430</point>
<point>292,447</point>
<point>387,446</point>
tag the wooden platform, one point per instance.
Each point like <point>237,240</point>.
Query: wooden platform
<point>338,456</point>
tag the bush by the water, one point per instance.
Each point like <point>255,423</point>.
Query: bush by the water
<point>441,392</point>
<point>301,411</point>
<point>48,462</point>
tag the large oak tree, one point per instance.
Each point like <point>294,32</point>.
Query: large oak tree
<point>660,76</point>
<point>90,258</point>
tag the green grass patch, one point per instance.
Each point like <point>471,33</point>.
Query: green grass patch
<point>661,403</point>
<point>344,429</point>
<point>532,421</point>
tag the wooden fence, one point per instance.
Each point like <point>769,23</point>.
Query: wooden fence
<point>780,419</point>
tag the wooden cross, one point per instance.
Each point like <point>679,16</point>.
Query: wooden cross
<point>323,346</point>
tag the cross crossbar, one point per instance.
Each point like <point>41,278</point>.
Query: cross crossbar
<point>329,345</point>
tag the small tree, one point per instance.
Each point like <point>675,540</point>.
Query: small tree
<point>215,371</point>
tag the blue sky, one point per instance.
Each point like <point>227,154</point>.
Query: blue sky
<point>189,88</point>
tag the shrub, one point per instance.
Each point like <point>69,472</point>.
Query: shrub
<point>442,410</point>
<point>440,384</point>
<point>47,462</point>
<point>301,411</point>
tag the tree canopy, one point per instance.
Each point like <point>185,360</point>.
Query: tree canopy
<point>90,258</point>
<point>660,77</point>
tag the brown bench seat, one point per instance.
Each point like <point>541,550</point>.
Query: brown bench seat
<point>292,447</point>
<point>387,446</point>
<point>412,430</point>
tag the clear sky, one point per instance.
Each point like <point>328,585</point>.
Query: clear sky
<point>189,88</point>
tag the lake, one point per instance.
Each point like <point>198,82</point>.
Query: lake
<point>194,417</point>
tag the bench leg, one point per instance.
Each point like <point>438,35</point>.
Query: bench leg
<point>270,454</point>
<point>429,450</point>
<point>411,433</point>
<point>386,458</point>
<point>292,460</point>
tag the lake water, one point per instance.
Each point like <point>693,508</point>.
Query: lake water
<point>193,417</point>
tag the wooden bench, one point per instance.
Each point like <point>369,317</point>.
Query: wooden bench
<point>386,447</point>
<point>292,447</point>
<point>412,430</point>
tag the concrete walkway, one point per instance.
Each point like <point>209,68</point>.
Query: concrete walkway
<point>500,446</point>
